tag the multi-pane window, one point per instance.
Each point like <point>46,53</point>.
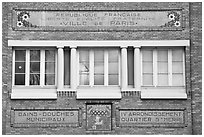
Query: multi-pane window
<point>98,67</point>
<point>147,65</point>
<point>34,67</point>
<point>49,67</point>
<point>113,67</point>
<point>20,62</point>
<point>163,67</point>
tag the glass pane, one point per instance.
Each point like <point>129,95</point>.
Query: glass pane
<point>163,79</point>
<point>147,67</point>
<point>49,67</point>
<point>50,55</point>
<point>112,79</point>
<point>84,79</point>
<point>130,61</point>
<point>49,79</point>
<point>177,80</point>
<point>147,79</point>
<point>19,79</point>
<point>98,79</point>
<point>177,67</point>
<point>147,55</point>
<point>113,68</point>
<point>99,68</point>
<point>98,56</point>
<point>34,67</point>
<point>35,55</point>
<point>67,67</point>
<point>34,79</point>
<point>84,67</point>
<point>20,55</point>
<point>113,55</point>
<point>83,55</point>
<point>20,67</point>
<point>162,55</point>
<point>162,67</point>
<point>177,55</point>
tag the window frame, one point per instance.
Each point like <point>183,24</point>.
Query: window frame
<point>27,68</point>
<point>91,67</point>
<point>155,65</point>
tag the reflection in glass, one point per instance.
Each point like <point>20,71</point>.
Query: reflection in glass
<point>35,55</point>
<point>49,79</point>
<point>50,67</point>
<point>177,55</point>
<point>113,55</point>
<point>34,79</point>
<point>34,67</point>
<point>67,67</point>
<point>177,67</point>
<point>84,79</point>
<point>112,79</point>
<point>113,68</point>
<point>20,67</point>
<point>147,79</point>
<point>19,79</point>
<point>99,68</point>
<point>162,55</point>
<point>20,55</point>
<point>177,80</point>
<point>162,67</point>
<point>84,67</point>
<point>147,55</point>
<point>163,79</point>
<point>147,67</point>
<point>98,79</point>
<point>130,61</point>
<point>50,55</point>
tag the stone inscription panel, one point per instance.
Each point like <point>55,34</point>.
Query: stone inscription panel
<point>99,117</point>
<point>67,117</point>
<point>152,117</point>
<point>96,20</point>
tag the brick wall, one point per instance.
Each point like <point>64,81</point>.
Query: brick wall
<point>196,65</point>
<point>130,99</point>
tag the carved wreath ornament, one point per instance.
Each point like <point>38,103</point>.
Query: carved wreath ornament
<point>174,19</point>
<point>22,21</point>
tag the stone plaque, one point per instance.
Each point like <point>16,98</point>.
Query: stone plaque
<point>152,117</point>
<point>67,117</point>
<point>99,117</point>
<point>96,20</point>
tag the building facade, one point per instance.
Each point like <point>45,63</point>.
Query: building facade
<point>102,68</point>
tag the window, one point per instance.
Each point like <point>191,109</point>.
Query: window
<point>163,67</point>
<point>130,61</point>
<point>34,67</point>
<point>98,67</point>
<point>66,66</point>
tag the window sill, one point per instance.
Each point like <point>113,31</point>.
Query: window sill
<point>163,93</point>
<point>33,93</point>
<point>97,93</point>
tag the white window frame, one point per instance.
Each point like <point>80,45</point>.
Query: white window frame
<point>33,91</point>
<point>155,69</point>
<point>91,67</point>
<point>50,93</point>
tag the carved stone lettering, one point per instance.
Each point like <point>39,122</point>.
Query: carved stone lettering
<point>151,117</point>
<point>46,116</point>
<point>97,19</point>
